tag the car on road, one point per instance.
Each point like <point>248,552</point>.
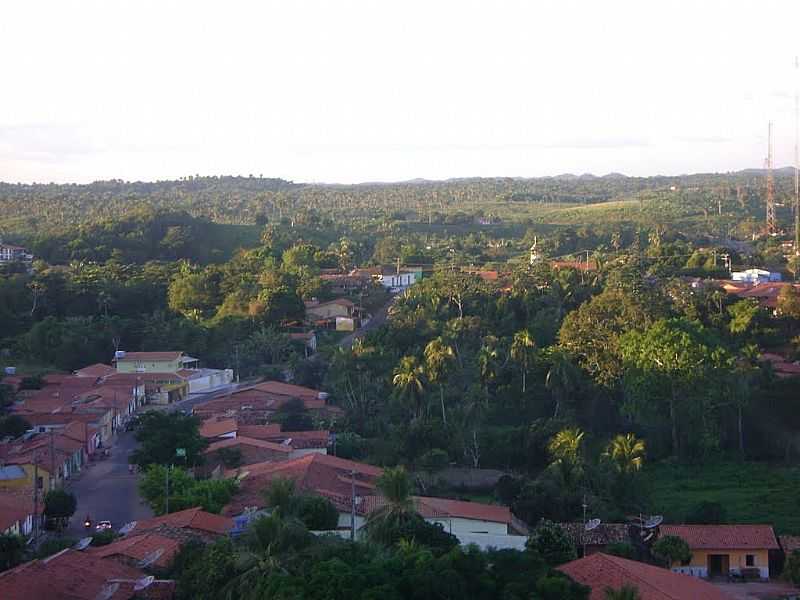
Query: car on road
<point>103,526</point>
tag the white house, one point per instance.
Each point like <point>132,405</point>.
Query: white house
<point>755,276</point>
<point>396,280</point>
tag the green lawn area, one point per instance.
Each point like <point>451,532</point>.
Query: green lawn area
<point>751,492</point>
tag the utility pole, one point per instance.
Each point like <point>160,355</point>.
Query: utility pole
<point>35,498</point>
<point>583,531</point>
<point>352,505</point>
<point>52,456</point>
<point>166,497</point>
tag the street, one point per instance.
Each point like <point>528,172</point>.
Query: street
<point>376,321</point>
<point>106,491</point>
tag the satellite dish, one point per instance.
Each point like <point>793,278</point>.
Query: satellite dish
<point>143,583</point>
<point>150,558</point>
<point>83,544</point>
<point>648,536</point>
<point>593,524</point>
<point>286,442</point>
<point>653,522</point>
<point>107,592</point>
<point>127,528</point>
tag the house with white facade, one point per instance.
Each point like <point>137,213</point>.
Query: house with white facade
<point>397,280</point>
<point>755,276</point>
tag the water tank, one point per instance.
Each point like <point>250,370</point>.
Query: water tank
<point>11,370</point>
<point>119,354</point>
<point>323,396</point>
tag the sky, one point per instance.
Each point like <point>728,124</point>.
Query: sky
<point>377,90</point>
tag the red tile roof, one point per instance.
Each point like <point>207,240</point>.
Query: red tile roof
<point>731,537</point>
<point>212,428</point>
<point>444,508</point>
<point>16,506</point>
<point>151,356</point>
<point>68,575</point>
<point>314,473</point>
<point>191,518</point>
<point>95,370</point>
<point>287,389</point>
<point>241,440</point>
<point>600,571</point>
<point>137,547</point>
<point>260,432</point>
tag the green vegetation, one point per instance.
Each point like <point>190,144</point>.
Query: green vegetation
<point>162,483</point>
<point>750,492</point>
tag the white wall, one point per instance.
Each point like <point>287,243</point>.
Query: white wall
<point>458,526</point>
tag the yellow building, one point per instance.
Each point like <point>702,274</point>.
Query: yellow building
<point>19,476</point>
<point>723,550</point>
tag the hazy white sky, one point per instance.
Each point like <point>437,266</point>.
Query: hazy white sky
<point>346,91</point>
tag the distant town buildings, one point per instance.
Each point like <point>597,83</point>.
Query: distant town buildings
<point>14,254</point>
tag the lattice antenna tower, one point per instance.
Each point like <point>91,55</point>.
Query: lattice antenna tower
<point>772,223</point>
<point>796,164</point>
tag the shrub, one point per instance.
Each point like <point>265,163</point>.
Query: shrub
<point>316,513</point>
<point>103,538</point>
<point>621,549</point>
<point>552,543</point>
<point>791,570</point>
<point>671,549</point>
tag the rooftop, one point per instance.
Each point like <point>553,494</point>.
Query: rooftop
<point>600,571</point>
<point>151,356</point>
<point>95,370</point>
<point>712,537</point>
<point>316,473</point>
<point>191,518</point>
<point>212,428</point>
<point>246,441</point>
<point>137,547</point>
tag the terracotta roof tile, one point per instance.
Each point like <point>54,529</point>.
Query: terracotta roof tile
<point>138,547</point>
<point>212,428</point>
<point>96,370</point>
<point>600,571</point>
<point>191,518</point>
<point>712,537</point>
<point>68,575</point>
<point>242,440</point>
<point>314,473</point>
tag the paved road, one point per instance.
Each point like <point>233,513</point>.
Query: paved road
<point>378,319</point>
<point>107,491</point>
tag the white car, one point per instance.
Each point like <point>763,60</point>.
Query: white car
<point>103,526</point>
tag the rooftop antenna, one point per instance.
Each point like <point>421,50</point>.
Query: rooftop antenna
<point>127,528</point>
<point>772,224</point>
<point>143,583</point>
<point>107,591</point>
<point>150,558</point>
<point>83,544</point>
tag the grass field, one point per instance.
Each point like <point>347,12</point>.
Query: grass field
<point>750,492</point>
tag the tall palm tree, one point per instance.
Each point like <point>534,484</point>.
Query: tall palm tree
<point>487,360</point>
<point>561,378</point>
<point>394,487</point>
<point>438,358</point>
<point>408,381</point>
<point>626,592</point>
<point>522,348</point>
<point>626,452</point>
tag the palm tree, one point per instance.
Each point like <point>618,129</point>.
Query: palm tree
<point>561,378</point>
<point>438,358</point>
<point>626,592</point>
<point>521,351</point>
<point>626,452</point>
<point>408,380</point>
<point>565,446</point>
<point>487,360</point>
<point>394,487</point>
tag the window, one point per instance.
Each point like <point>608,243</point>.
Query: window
<point>750,560</point>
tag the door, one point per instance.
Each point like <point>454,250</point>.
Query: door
<point>718,565</point>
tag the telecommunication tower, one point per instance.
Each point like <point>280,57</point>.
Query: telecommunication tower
<point>772,223</point>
